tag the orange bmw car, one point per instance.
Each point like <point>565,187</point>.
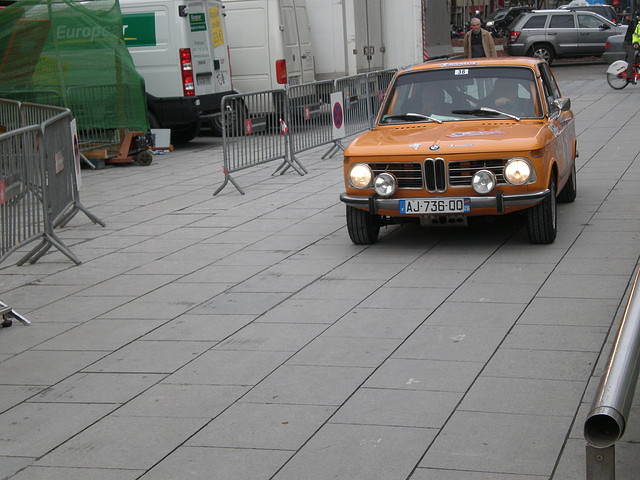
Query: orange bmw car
<point>462,138</point>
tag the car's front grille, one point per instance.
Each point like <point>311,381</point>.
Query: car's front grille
<point>409,175</point>
<point>434,175</point>
<point>460,173</point>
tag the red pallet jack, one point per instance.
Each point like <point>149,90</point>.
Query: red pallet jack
<point>135,147</point>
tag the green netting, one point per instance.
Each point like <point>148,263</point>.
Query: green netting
<point>71,54</point>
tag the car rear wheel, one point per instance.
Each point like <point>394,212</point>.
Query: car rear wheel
<point>542,221</point>
<point>543,51</point>
<point>570,190</point>
<point>363,227</point>
<point>617,82</point>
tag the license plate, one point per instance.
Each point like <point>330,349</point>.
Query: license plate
<point>434,206</point>
<point>294,80</point>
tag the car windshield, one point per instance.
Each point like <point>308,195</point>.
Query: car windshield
<point>462,93</point>
<point>498,14</point>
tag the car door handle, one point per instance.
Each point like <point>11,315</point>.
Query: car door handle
<point>553,33</point>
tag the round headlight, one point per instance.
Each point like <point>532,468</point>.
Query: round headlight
<point>483,181</point>
<point>385,184</point>
<point>517,171</point>
<point>360,176</point>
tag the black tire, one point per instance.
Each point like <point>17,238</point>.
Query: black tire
<point>144,158</point>
<point>185,134</point>
<point>362,226</point>
<point>235,121</point>
<point>617,82</point>
<point>542,219</point>
<point>570,190</point>
<point>153,120</point>
<point>543,51</point>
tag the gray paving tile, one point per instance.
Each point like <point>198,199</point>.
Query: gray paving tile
<point>76,308</point>
<point>100,334</point>
<point>434,375</point>
<point>541,364</point>
<point>512,273</point>
<point>476,314</point>
<point>400,408</point>
<point>263,426</point>
<point>456,343</point>
<point>198,401</point>
<point>247,303</point>
<point>150,357</point>
<point>13,395</point>
<point>123,442</point>
<point>438,474</point>
<point>205,463</point>
<point>227,274</point>
<point>32,429</point>
<point>492,442</point>
<point>98,388</point>
<point>222,367</point>
<point>485,292</point>
<point>345,351</point>
<point>584,286</point>
<point>562,311</point>
<point>418,298</point>
<point>308,385</point>
<point>282,337</point>
<point>377,323</point>
<point>19,338</point>
<point>270,282</point>
<point>53,473</point>
<point>204,328</point>
<point>339,289</point>
<point>11,465</point>
<point>130,285</point>
<point>523,396</point>
<point>302,310</point>
<point>44,367</point>
<point>557,337</point>
<point>359,452</point>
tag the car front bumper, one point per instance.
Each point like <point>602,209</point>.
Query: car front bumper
<point>498,203</point>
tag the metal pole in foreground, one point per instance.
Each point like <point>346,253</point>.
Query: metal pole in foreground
<point>607,419</point>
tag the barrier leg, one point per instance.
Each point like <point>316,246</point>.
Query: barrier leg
<point>227,179</point>
<point>87,161</point>
<point>337,145</point>
<point>601,463</point>
<point>6,312</point>
<point>77,207</point>
<point>291,163</point>
<point>43,247</point>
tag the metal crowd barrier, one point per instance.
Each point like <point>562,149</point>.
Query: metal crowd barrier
<point>609,414</point>
<point>38,178</point>
<point>254,132</point>
<point>278,124</point>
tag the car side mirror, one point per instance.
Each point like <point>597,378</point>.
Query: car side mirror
<point>604,26</point>
<point>562,104</point>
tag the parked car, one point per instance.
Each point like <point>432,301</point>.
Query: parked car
<point>614,49</point>
<point>499,21</point>
<point>550,34</point>
<point>606,11</point>
<point>462,139</point>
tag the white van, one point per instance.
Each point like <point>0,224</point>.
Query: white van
<point>269,43</point>
<point>180,49</point>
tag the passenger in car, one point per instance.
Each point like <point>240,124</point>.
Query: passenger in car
<point>506,98</point>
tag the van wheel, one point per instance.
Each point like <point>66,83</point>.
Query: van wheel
<point>363,227</point>
<point>185,134</point>
<point>235,121</point>
<point>543,51</point>
<point>153,120</point>
<point>542,220</point>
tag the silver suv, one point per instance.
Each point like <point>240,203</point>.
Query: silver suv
<point>550,34</point>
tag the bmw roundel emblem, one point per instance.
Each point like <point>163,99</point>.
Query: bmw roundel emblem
<point>433,148</point>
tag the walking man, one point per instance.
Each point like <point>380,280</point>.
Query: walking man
<point>478,42</point>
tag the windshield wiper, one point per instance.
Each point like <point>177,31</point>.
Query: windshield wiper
<point>483,111</point>
<point>411,116</point>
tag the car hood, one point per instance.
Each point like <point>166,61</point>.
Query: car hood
<point>452,138</point>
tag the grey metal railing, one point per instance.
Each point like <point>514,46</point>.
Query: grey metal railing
<point>609,414</point>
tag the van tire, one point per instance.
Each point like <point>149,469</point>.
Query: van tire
<point>185,134</point>
<point>543,51</point>
<point>153,120</point>
<point>235,126</point>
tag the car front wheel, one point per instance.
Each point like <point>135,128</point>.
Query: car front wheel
<point>363,227</point>
<point>570,190</point>
<point>542,220</point>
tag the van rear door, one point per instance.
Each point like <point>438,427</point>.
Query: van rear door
<point>297,41</point>
<point>209,54</point>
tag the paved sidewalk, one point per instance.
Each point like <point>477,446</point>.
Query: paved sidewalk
<point>245,337</point>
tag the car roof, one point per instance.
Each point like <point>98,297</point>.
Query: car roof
<point>530,62</point>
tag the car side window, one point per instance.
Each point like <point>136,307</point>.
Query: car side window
<point>537,21</point>
<point>561,21</point>
<point>551,90</point>
<point>589,21</point>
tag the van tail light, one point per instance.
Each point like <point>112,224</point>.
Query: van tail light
<point>186,69</point>
<point>513,36</point>
<point>607,46</point>
<point>281,71</point>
